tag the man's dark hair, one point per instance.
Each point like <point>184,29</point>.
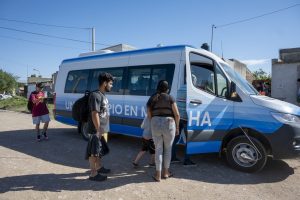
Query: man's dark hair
<point>105,77</point>
<point>39,85</point>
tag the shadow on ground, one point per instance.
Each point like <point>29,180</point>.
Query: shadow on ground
<point>67,148</point>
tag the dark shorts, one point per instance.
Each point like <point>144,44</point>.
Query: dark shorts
<point>148,145</point>
<point>93,147</point>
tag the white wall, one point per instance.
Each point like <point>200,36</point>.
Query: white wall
<point>284,81</point>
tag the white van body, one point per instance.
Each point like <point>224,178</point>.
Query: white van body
<point>220,111</point>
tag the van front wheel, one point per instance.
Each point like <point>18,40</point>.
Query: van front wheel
<point>244,156</point>
<point>85,132</point>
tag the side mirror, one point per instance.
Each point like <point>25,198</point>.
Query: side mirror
<point>233,95</point>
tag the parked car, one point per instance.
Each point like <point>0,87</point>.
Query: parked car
<point>5,96</point>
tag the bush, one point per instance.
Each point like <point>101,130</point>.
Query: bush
<point>13,103</point>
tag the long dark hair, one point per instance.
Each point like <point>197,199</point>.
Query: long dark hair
<point>162,87</point>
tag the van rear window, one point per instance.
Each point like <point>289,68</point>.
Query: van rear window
<point>77,81</point>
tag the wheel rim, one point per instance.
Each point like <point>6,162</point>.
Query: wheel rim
<point>245,155</point>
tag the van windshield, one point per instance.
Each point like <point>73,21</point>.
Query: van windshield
<point>239,80</point>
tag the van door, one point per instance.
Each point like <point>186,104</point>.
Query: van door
<point>210,114</point>
<point>142,81</point>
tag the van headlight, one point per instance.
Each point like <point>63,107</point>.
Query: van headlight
<point>286,118</point>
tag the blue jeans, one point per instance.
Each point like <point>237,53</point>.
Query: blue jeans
<point>163,133</point>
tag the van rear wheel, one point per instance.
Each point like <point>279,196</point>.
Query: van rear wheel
<point>244,156</point>
<point>84,130</point>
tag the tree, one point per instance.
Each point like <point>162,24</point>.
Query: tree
<point>261,75</point>
<point>7,82</point>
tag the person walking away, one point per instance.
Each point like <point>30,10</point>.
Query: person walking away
<point>40,112</point>
<point>164,116</point>
<point>98,104</point>
<point>147,143</point>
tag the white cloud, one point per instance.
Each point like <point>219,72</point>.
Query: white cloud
<point>256,62</point>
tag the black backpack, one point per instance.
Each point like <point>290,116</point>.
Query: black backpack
<point>80,109</point>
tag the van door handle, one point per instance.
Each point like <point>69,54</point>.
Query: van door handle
<point>196,101</point>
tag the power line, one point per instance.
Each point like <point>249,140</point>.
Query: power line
<point>244,20</point>
<point>47,44</point>
<point>40,24</point>
<point>51,36</point>
<point>251,18</point>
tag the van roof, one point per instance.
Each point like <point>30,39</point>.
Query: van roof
<point>124,53</point>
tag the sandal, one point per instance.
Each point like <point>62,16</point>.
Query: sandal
<point>135,164</point>
<point>168,176</point>
<point>155,179</point>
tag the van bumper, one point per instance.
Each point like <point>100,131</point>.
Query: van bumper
<point>285,142</point>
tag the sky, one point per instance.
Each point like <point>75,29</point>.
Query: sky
<point>142,24</point>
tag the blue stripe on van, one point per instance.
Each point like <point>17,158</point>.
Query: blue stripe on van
<point>66,120</point>
<point>203,147</point>
<point>124,53</point>
<point>126,130</point>
<point>114,128</point>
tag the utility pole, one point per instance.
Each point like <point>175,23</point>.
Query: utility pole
<point>93,39</point>
<point>27,76</point>
<point>212,37</point>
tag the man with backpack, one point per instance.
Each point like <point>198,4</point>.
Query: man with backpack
<point>98,104</point>
<point>40,113</point>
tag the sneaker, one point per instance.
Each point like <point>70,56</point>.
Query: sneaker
<point>45,136</point>
<point>175,160</point>
<point>189,163</point>
<point>103,170</point>
<point>38,138</point>
<point>98,177</point>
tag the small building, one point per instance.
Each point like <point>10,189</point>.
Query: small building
<point>285,75</point>
<point>33,80</point>
<point>241,68</point>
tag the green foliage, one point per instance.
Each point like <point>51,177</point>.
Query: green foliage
<point>261,75</point>
<point>7,82</point>
<point>19,104</point>
<point>13,103</point>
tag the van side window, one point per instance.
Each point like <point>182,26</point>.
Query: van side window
<point>77,81</point>
<point>138,81</point>
<point>143,80</point>
<point>207,76</point>
<point>202,73</point>
<point>117,73</point>
<point>161,72</point>
<point>221,83</point>
<point>203,77</point>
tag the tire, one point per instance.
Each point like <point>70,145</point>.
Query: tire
<point>243,156</point>
<point>84,130</point>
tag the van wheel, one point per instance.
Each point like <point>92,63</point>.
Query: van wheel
<point>85,131</point>
<point>242,155</point>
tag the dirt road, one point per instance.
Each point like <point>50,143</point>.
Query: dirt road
<point>56,169</point>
